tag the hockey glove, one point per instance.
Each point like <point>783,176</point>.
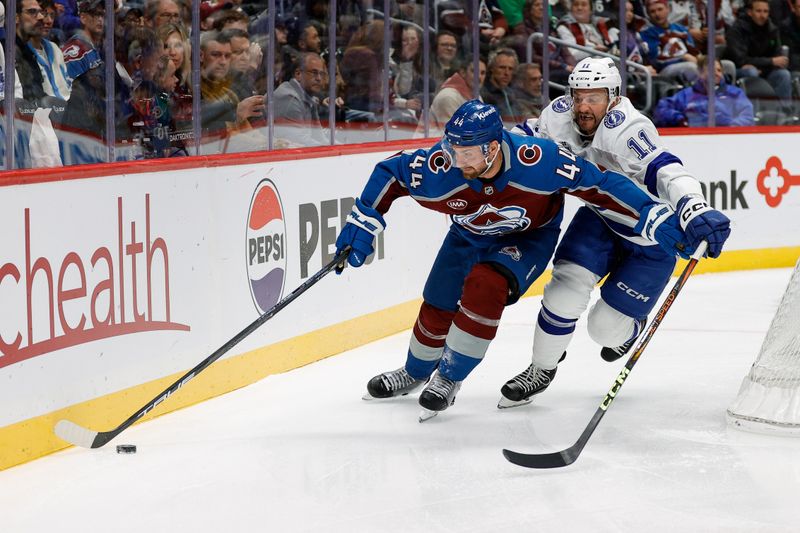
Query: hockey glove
<point>658,223</point>
<point>702,223</point>
<point>363,224</point>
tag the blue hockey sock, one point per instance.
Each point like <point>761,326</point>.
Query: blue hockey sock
<point>456,366</point>
<point>419,368</point>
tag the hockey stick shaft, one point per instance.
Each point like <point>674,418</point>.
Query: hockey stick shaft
<point>568,456</point>
<point>80,436</point>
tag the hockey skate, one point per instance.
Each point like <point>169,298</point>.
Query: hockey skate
<point>612,354</point>
<point>393,383</point>
<point>437,396</point>
<point>520,389</point>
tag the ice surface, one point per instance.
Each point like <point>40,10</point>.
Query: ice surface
<point>302,452</point>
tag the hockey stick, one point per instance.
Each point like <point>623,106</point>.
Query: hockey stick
<point>80,436</point>
<point>568,456</point>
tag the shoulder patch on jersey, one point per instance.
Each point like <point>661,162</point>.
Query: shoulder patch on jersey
<point>529,155</point>
<point>71,52</point>
<point>438,161</point>
<point>614,118</point>
<point>562,105</point>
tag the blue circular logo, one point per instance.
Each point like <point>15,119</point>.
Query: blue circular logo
<point>562,104</point>
<point>613,119</point>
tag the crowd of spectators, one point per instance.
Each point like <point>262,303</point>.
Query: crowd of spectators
<point>379,74</point>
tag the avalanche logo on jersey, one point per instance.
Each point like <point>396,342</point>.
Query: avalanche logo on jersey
<point>438,161</point>
<point>513,252</point>
<point>266,246</point>
<point>614,118</point>
<point>489,220</point>
<point>562,105</point>
<point>529,155</point>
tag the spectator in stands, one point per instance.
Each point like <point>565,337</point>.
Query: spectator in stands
<point>581,27</point>
<point>671,48</point>
<point>362,70</point>
<point>30,19</point>
<point>17,86</point>
<point>689,107</point>
<point>82,50</point>
<point>296,103</point>
<point>694,16</point>
<point>561,60</point>
<point>496,89</point>
<point>754,47</point>
<point>790,36</point>
<point>445,60</point>
<point>303,35</point>
<point>159,12</point>
<point>527,89</point>
<point>49,56</point>
<point>231,19</point>
<point>407,77</point>
<point>222,111</point>
<point>246,60</point>
<point>176,44</point>
<point>151,123</point>
<point>50,32</point>
<point>67,19</point>
<point>456,90</point>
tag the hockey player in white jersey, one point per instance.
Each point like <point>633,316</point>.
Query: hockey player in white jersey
<point>595,122</point>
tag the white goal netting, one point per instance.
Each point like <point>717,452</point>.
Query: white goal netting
<point>769,398</point>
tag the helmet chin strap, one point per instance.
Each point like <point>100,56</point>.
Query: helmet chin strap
<point>489,163</point>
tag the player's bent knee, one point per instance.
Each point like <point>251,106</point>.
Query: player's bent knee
<point>609,327</point>
<point>485,290</point>
<point>567,293</point>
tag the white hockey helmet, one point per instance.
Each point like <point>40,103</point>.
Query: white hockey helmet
<point>596,73</point>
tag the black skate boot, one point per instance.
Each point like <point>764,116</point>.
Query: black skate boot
<point>437,396</point>
<point>612,354</point>
<point>393,383</point>
<point>520,389</point>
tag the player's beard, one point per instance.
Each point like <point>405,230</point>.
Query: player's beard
<point>587,123</point>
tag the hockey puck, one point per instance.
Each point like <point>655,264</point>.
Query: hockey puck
<point>126,448</point>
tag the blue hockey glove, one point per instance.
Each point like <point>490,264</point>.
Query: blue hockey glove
<point>363,224</point>
<point>658,223</point>
<point>702,223</point>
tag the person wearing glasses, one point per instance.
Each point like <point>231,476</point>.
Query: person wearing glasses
<point>160,12</point>
<point>82,50</point>
<point>30,23</point>
<point>297,103</point>
<point>49,56</point>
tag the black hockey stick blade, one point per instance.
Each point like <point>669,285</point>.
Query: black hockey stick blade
<point>570,455</point>
<point>87,438</point>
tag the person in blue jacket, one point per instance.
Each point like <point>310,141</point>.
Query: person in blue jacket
<point>689,107</point>
<point>504,193</point>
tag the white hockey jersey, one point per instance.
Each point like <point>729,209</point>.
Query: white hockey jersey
<point>626,142</point>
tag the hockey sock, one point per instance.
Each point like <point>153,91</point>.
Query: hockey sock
<point>551,338</point>
<point>427,340</point>
<point>456,366</point>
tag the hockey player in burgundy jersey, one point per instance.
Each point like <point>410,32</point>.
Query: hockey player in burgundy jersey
<point>504,193</point>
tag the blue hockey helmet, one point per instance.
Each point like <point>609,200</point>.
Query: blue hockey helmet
<point>474,123</point>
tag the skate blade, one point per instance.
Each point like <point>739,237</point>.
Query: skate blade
<point>505,403</point>
<point>426,414</point>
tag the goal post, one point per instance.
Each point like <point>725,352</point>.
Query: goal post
<point>769,397</point>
